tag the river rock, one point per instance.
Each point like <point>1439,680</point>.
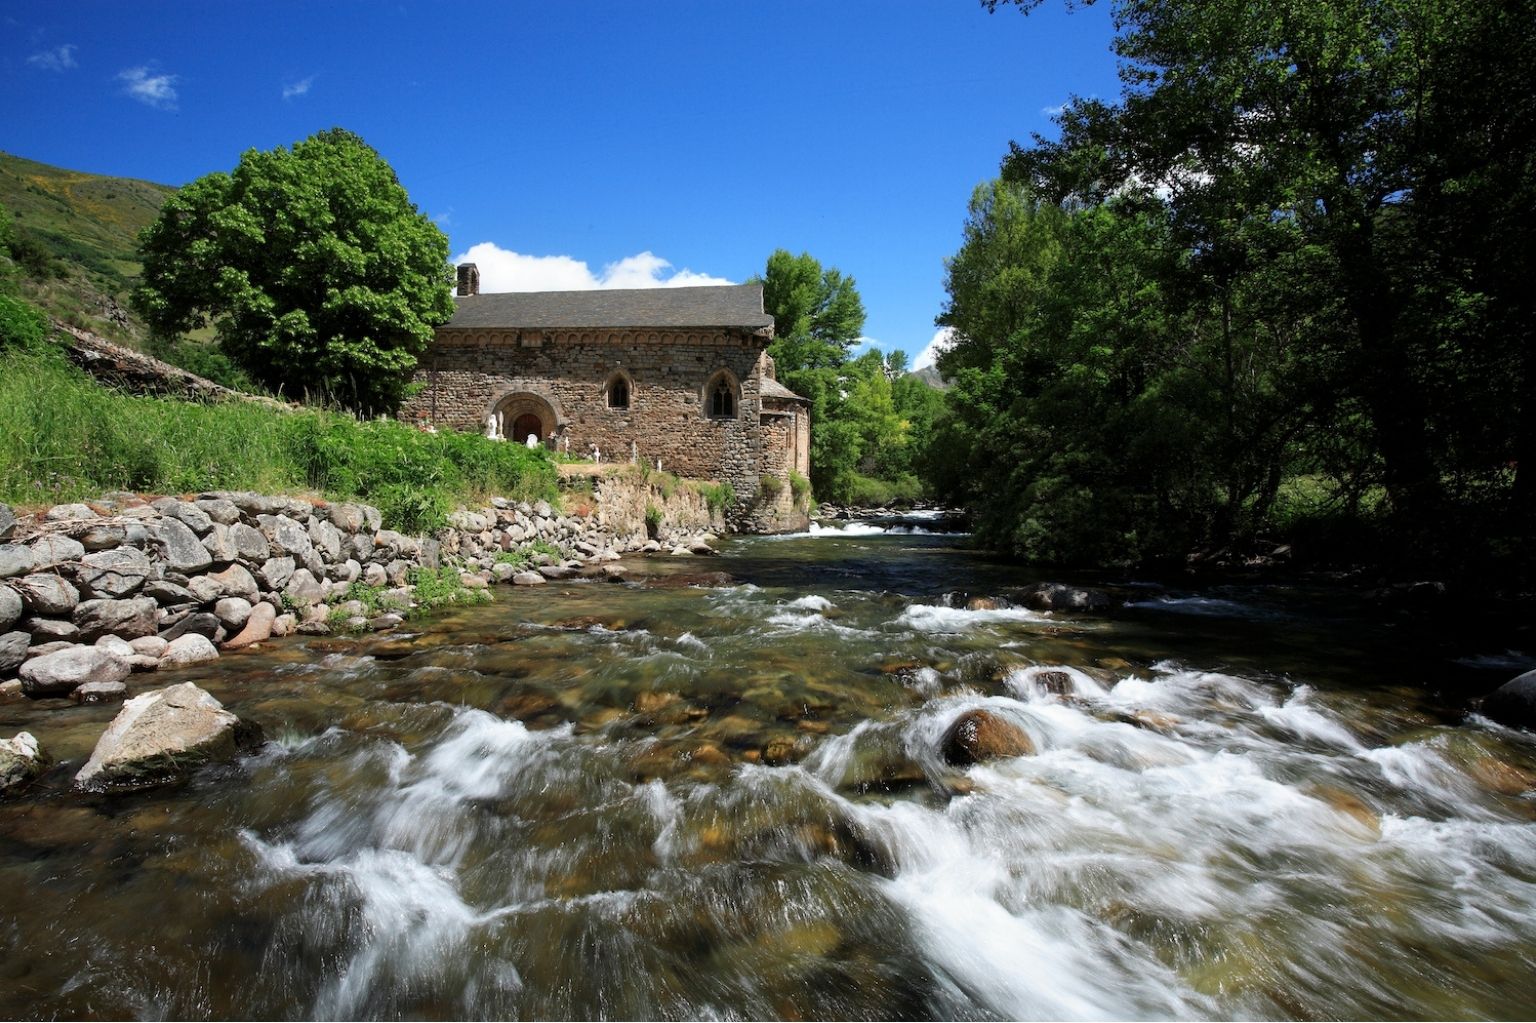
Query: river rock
<point>99,692</point>
<point>149,646</point>
<point>325,537</point>
<point>374,575</point>
<point>285,624</point>
<point>44,593</point>
<point>117,573</point>
<point>233,612</point>
<point>275,572</point>
<point>304,589</point>
<point>16,560</point>
<point>528,579</point>
<point>181,549</point>
<point>13,650</point>
<point>159,736</point>
<point>1514,702</point>
<point>221,511</point>
<point>258,627</point>
<point>11,607</point>
<point>237,581</point>
<point>137,616</point>
<point>346,517</point>
<point>195,518</point>
<point>200,624</point>
<point>45,630</point>
<point>21,759</point>
<point>53,550</point>
<point>103,536</point>
<point>55,674</point>
<point>7,521</point>
<point>1060,597</point>
<point>287,537</point>
<point>167,593</point>
<point>980,735</point>
<point>69,512</point>
<point>192,648</point>
<point>250,542</point>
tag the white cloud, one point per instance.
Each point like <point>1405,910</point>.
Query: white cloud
<point>299,88</point>
<point>149,88</point>
<point>943,340</point>
<point>1053,111</point>
<point>505,270</point>
<point>60,58</point>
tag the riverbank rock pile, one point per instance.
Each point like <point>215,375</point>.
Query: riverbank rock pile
<point>482,539</point>
<point>92,593</point>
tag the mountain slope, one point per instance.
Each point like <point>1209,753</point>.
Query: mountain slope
<point>81,231</point>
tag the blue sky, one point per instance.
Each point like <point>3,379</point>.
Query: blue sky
<point>586,144</point>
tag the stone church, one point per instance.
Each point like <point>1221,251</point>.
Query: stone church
<point>676,376</point>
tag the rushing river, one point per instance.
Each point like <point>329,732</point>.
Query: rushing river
<point>719,794</point>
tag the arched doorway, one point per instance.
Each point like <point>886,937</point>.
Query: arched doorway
<point>524,426</point>
<point>523,414</point>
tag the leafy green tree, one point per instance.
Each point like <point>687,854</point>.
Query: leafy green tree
<point>313,265</point>
<point>1335,199</point>
<point>817,313</point>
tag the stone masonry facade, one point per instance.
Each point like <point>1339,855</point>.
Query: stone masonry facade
<point>700,399</point>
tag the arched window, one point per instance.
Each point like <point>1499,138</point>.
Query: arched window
<point>720,398</point>
<point>618,392</point>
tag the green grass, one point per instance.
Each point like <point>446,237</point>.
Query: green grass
<point>719,496</point>
<point>64,437</point>
<point>525,556</point>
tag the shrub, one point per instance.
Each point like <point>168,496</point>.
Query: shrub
<point>652,520</point>
<point>799,486</point>
<point>21,326</point>
<point>769,488</point>
<point>718,496</point>
<point>442,588</point>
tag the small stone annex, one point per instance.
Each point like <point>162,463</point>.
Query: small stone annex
<point>678,378</point>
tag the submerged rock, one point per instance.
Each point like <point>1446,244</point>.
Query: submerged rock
<point>160,736</point>
<point>980,735</point>
<point>1514,702</point>
<point>1060,597</point>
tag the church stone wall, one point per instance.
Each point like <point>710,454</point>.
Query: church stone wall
<point>563,376</point>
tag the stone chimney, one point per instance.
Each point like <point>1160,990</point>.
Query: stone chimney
<point>469,279</point>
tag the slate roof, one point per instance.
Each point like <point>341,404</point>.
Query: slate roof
<point>736,305</point>
<point>773,389</point>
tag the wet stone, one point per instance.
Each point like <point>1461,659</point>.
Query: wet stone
<point>57,673</point>
<point>100,692</point>
<point>980,735</point>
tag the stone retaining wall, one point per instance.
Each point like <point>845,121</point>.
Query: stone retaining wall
<point>91,593</point>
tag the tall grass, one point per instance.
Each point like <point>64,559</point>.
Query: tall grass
<point>65,437</point>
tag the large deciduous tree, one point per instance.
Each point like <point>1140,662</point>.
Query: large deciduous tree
<point>1333,200</point>
<point>817,313</point>
<point>315,269</point>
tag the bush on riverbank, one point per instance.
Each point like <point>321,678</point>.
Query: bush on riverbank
<point>65,437</point>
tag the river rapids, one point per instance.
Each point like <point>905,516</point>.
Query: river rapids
<point>719,794</point>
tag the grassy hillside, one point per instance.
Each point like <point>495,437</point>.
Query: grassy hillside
<point>80,232</point>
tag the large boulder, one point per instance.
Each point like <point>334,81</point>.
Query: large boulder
<point>128,619</point>
<point>180,547</point>
<point>980,735</point>
<point>199,624</point>
<point>160,737</point>
<point>195,518</point>
<point>21,759</point>
<point>275,572</point>
<point>57,673</point>
<point>304,589</point>
<point>45,593</point>
<point>116,573</point>
<point>1514,702</point>
<point>103,536</point>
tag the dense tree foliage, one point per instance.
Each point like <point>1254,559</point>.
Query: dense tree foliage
<point>316,270</point>
<point>1286,265</point>
<point>869,423</point>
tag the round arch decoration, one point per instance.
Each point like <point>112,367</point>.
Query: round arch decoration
<point>518,412</point>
